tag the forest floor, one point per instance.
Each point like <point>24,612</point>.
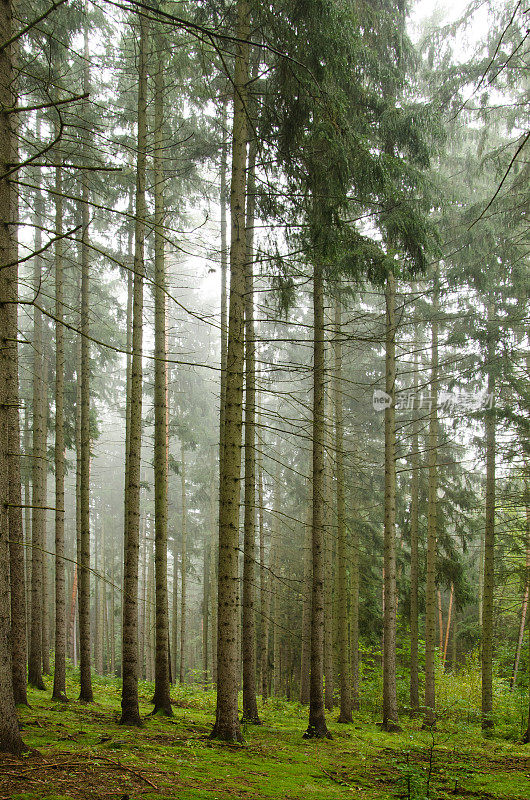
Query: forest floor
<point>79,752</point>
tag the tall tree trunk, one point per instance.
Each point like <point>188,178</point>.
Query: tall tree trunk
<point>250,705</point>
<point>162,699</point>
<point>174,610</point>
<point>345,714</point>
<point>206,588</point>
<point>129,699</point>
<point>10,740</point>
<point>227,725</point>
<point>264,625</point>
<point>59,674</point>
<point>317,721</point>
<point>305,657</point>
<point>183,570</point>
<point>19,643</point>
<point>489,535</point>
<point>526,738</point>
<point>390,709</point>
<point>38,500</point>
<point>414,516</point>
<point>27,516</point>
<point>85,693</point>
<point>429,721</point>
<point>328,559</point>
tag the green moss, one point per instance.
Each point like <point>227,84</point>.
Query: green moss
<point>175,755</point>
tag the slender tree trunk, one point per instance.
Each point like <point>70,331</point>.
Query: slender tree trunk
<point>448,626</point>
<point>162,699</point>
<point>174,615</point>
<point>264,626</point>
<point>183,570</point>
<point>390,709</point>
<point>489,537</point>
<point>206,588</point>
<point>27,517</point>
<point>305,660</point>
<point>414,515</point>
<point>38,464</point>
<point>19,643</point>
<point>227,725</point>
<point>129,700</point>
<point>85,693</point>
<point>526,738</point>
<point>10,740</point>
<point>328,560</point>
<point>250,705</point>
<point>59,675</point>
<point>345,714</point>
<point>429,721</point>
<point>354,620</point>
<point>317,721</point>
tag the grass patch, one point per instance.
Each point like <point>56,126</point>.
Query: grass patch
<point>79,752</point>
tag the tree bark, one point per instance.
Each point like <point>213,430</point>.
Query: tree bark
<point>345,714</point>
<point>162,698</point>
<point>85,694</point>
<point>250,705</point>
<point>390,709</point>
<point>414,516</point>
<point>489,536</point>
<point>129,699</point>
<point>38,500</point>
<point>429,721</point>
<point>183,570</point>
<point>526,738</point>
<point>10,740</point>
<point>59,674</point>
<point>227,725</point>
<point>305,659</point>
<point>19,643</point>
<point>328,559</point>
<point>317,721</point>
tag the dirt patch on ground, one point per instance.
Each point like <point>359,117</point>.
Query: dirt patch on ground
<point>84,778</point>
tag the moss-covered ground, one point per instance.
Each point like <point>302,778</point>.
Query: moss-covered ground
<point>80,752</point>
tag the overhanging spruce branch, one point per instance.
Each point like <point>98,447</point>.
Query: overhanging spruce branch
<point>201,29</point>
<point>41,106</point>
<point>107,345</point>
<point>499,187</point>
<point>35,156</point>
<point>41,249</point>
<point>32,24</point>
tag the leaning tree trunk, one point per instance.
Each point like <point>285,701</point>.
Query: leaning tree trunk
<point>38,500</point>
<point>429,721</point>
<point>390,709</point>
<point>10,740</point>
<point>250,705</point>
<point>129,698</point>
<point>317,721</point>
<point>227,725</point>
<point>489,537</point>
<point>522,626</point>
<point>59,673</point>
<point>161,699</point>
<point>85,693</point>
<point>345,714</point>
